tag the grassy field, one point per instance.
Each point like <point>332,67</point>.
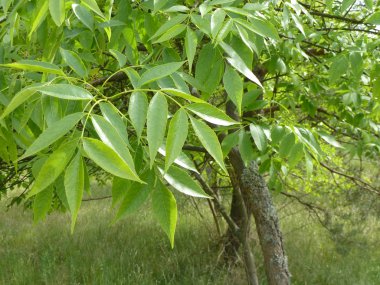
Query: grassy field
<point>135,251</point>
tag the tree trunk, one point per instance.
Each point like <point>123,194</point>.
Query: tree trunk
<point>240,215</point>
<point>257,197</point>
<point>232,243</point>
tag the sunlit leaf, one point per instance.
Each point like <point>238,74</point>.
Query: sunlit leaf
<point>183,182</point>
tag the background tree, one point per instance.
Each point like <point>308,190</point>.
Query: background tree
<point>167,95</point>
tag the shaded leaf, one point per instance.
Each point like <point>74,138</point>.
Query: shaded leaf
<point>177,135</point>
<point>57,11</point>
<point>236,61</point>
<point>233,84</point>
<point>258,136</point>
<point>191,42</point>
<point>42,204</point>
<point>156,124</point>
<point>164,208</point>
<point>209,140</point>
<point>74,61</point>
<point>74,187</point>
<point>286,145</point>
<point>134,194</point>
<point>138,110</point>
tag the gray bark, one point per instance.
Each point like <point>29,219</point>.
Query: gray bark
<point>259,202</point>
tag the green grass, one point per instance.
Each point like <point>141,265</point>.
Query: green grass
<point>136,251</point>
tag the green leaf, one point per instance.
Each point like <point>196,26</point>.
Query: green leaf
<point>74,61</point>
<point>57,11</point>
<point>164,209</point>
<point>133,76</point>
<point>217,19</point>
<point>169,24</point>
<point>138,109</point>
<point>84,16</point>
<point>74,187</point>
<point>191,42</point>
<point>34,65</point>
<point>338,67</point>
<point>177,135</point>
<point>230,141</point>
<point>42,204</point>
<point>295,154</point>
<point>111,114</point>
<point>121,58</point>
<point>211,114</point>
<point>65,91</point>
<point>245,147</point>
<point>209,68</point>
<point>277,134</point>
<point>236,61</point>
<point>224,31</point>
<point>369,4</point>
<point>183,182</point>
<point>108,159</point>
<point>258,136</point>
<point>40,17</point>
<point>53,167</point>
<point>160,71</point>
<point>22,96</point>
<point>109,135</point>
<point>286,145</point>
<point>156,124</point>
<point>91,4</point>
<point>171,33</point>
<point>261,27</point>
<point>330,139</point>
<point>119,187</point>
<point>233,84</point>
<point>307,137</point>
<point>374,19</point>
<point>346,4</point>
<point>134,194</point>
<point>209,140</point>
<point>182,160</point>
<point>182,95</point>
<point>56,130</point>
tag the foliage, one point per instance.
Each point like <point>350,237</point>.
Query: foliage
<point>137,90</point>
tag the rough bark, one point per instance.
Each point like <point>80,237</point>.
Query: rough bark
<point>258,199</point>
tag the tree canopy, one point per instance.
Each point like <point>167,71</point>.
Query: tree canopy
<point>155,95</point>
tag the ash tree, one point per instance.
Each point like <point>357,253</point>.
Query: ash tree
<point>188,96</point>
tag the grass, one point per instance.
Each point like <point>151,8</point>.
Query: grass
<point>136,251</point>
